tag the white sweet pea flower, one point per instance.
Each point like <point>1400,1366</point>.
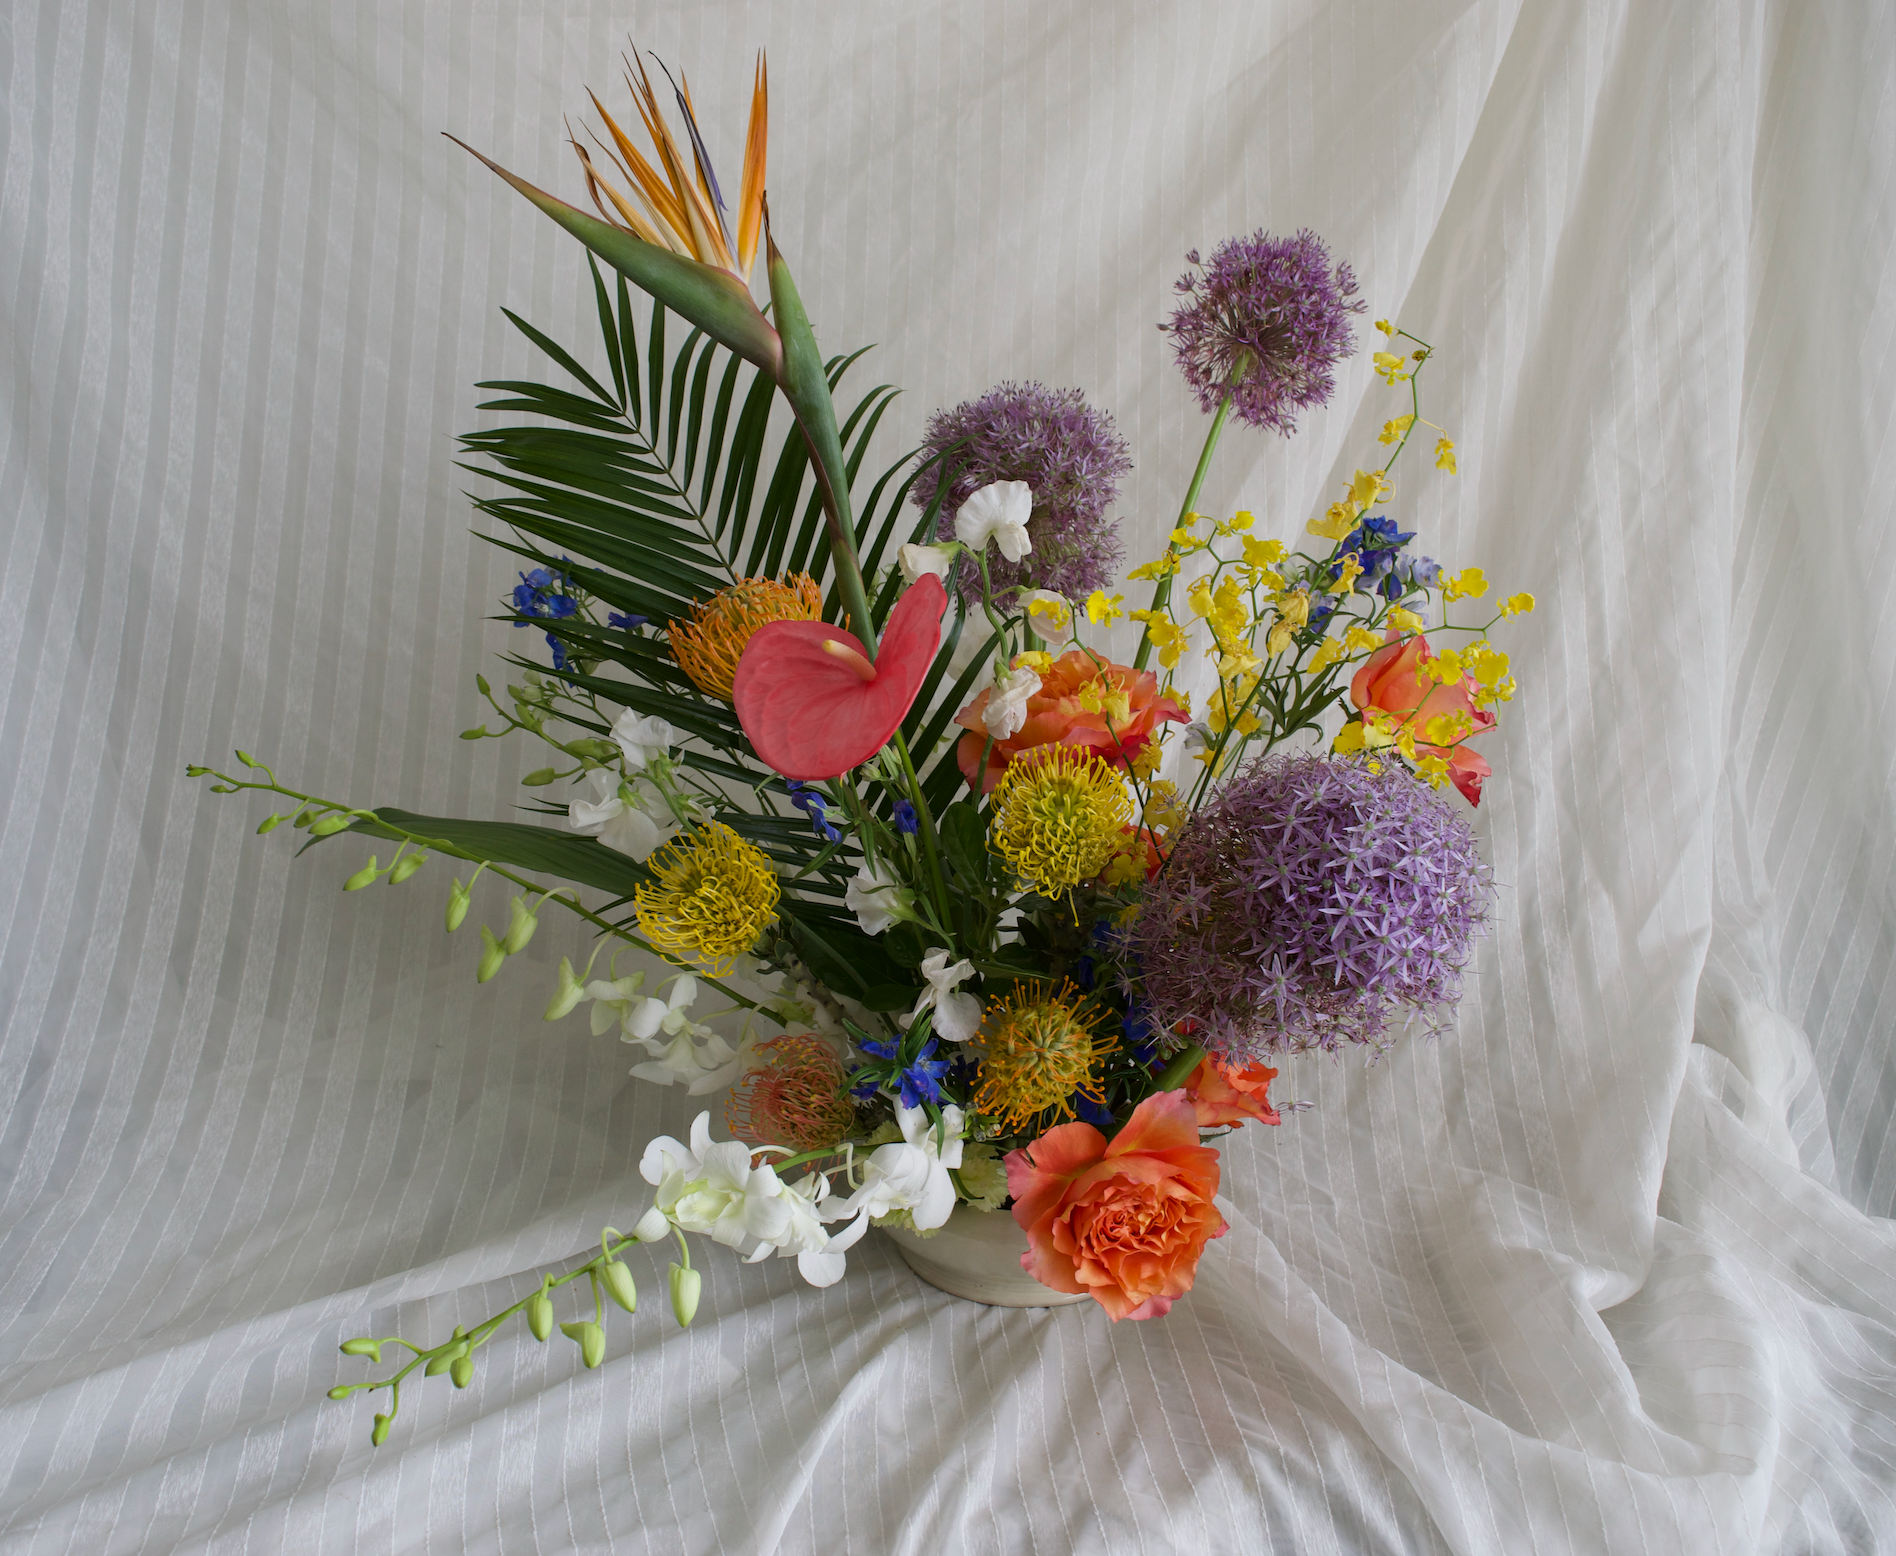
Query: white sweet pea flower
<point>1002,511</point>
<point>919,561</point>
<point>910,1174</point>
<point>615,822</point>
<point>1006,709</point>
<point>957,1016</point>
<point>878,899</point>
<point>614,1001</point>
<point>1047,613</point>
<point>640,737</point>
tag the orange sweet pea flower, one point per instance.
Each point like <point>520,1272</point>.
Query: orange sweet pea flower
<point>1123,1220</point>
<point>1392,688</point>
<point>1082,701</point>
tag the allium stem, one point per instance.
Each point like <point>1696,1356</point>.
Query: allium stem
<point>1162,588</point>
<point>1175,1074</point>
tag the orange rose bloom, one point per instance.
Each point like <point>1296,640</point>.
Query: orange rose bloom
<point>1112,708</point>
<point>1392,682</point>
<point>1229,1094</point>
<point>1123,1221</point>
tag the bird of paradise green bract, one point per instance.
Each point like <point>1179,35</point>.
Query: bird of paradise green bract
<point>681,249</point>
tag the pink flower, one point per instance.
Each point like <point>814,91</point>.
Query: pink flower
<point>1123,1220</point>
<point>1392,682</point>
<point>810,700</point>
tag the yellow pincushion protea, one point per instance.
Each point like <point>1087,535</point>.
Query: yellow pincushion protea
<point>1059,816</point>
<point>708,646</point>
<point>712,897</point>
<point>1040,1049</point>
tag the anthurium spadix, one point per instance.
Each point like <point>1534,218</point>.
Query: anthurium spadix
<point>682,252</point>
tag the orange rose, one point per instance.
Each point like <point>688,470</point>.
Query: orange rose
<point>1392,683</point>
<point>1082,701</point>
<point>1123,1220</point>
<point>1229,1094</point>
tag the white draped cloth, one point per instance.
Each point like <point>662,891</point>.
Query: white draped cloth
<point>1605,1270</point>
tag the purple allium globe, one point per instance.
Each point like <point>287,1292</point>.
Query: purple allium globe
<point>1069,452</point>
<point>1267,320</point>
<point>1312,903</point>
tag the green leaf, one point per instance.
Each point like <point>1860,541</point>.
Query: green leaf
<point>560,355</point>
<point>714,300</point>
<point>964,841</point>
<point>888,996</point>
<point>584,861</point>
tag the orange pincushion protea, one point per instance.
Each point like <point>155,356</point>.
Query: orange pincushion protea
<point>708,646</point>
<point>795,1100</point>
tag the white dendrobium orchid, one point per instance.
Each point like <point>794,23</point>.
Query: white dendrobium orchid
<point>681,1049</point>
<point>908,1174</point>
<point>1006,709</point>
<point>878,899</point>
<point>1000,510</point>
<point>712,1187</point>
<point>619,825</point>
<point>614,1001</point>
<point>640,737</point>
<point>918,561</point>
<point>1047,613</point>
<point>957,1016</point>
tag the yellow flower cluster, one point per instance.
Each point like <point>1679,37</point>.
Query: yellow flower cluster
<point>1366,487</point>
<point>711,897</point>
<point>1059,814</point>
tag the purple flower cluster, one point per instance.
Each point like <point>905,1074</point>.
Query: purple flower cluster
<point>1307,905</point>
<point>1066,450</point>
<point>1266,320</point>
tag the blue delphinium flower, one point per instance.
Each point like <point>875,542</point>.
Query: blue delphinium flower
<point>539,594</point>
<point>1091,1112</point>
<point>921,1081</point>
<point>559,651</point>
<point>905,818</point>
<point>624,623</point>
<point>810,801</point>
<point>1141,1041</point>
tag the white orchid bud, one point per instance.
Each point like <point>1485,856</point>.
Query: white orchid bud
<point>520,928</point>
<point>685,1287</point>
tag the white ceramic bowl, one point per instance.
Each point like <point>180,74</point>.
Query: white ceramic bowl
<point>976,1255</point>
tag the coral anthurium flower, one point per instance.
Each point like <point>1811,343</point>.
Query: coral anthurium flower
<point>810,700</point>
<point>1112,709</point>
<point>1123,1220</point>
<point>1394,688</point>
<point>1224,1093</point>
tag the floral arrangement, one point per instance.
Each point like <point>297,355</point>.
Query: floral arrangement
<point>1006,925</point>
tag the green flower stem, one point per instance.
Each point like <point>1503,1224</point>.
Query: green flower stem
<point>1162,587</point>
<point>441,846</point>
<point>484,1331</point>
<point>1175,1074</point>
<point>931,851</point>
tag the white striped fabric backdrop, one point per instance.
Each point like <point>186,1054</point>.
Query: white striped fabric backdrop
<point>1604,1271</point>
